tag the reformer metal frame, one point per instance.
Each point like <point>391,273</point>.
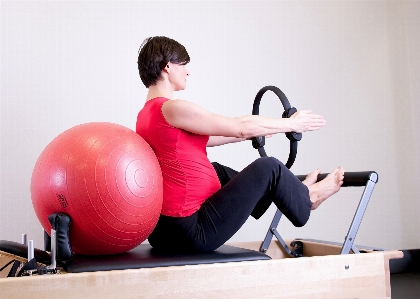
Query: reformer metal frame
<point>354,179</point>
<point>52,268</point>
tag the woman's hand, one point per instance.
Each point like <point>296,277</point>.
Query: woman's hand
<point>305,120</point>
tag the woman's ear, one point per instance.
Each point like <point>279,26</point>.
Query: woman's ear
<point>166,68</point>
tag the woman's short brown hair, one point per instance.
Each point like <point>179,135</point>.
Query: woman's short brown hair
<point>154,55</point>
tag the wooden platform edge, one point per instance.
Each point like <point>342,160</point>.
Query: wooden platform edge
<point>389,255</point>
<point>312,248</point>
<point>331,276</point>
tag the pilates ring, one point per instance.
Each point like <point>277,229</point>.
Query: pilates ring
<point>259,142</point>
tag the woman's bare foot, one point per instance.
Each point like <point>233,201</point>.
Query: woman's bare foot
<point>311,178</point>
<point>318,192</point>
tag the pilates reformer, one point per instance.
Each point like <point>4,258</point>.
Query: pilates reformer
<point>236,270</point>
<point>241,270</point>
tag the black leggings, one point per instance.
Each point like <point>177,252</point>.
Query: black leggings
<point>223,213</point>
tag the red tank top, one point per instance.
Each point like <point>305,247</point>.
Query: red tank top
<point>188,176</point>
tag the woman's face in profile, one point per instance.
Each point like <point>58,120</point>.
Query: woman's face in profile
<point>177,74</point>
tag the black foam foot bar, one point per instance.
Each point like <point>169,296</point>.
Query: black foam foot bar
<point>351,179</point>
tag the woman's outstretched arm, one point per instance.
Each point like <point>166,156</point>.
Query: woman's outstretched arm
<point>190,117</point>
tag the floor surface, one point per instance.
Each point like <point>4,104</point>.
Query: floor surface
<point>405,285</point>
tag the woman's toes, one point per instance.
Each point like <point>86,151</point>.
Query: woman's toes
<point>311,178</point>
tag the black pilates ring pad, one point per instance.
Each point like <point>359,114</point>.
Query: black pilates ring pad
<point>259,142</point>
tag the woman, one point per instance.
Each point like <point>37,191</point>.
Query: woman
<point>205,204</point>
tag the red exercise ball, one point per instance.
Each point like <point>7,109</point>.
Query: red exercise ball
<point>107,179</point>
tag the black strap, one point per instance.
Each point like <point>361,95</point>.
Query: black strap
<point>15,267</point>
<point>5,266</point>
<point>60,222</point>
<point>30,265</point>
<point>12,271</point>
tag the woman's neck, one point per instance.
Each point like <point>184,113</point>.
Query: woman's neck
<point>159,90</point>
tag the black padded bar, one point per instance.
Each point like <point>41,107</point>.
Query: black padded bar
<point>351,179</point>
<point>21,250</point>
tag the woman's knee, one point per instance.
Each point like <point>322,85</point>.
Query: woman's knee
<point>268,165</point>
<point>302,218</point>
<point>268,162</point>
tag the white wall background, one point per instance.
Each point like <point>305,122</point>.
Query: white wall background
<point>357,63</point>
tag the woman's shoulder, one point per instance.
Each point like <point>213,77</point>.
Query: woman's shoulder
<point>180,105</point>
<point>180,109</point>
